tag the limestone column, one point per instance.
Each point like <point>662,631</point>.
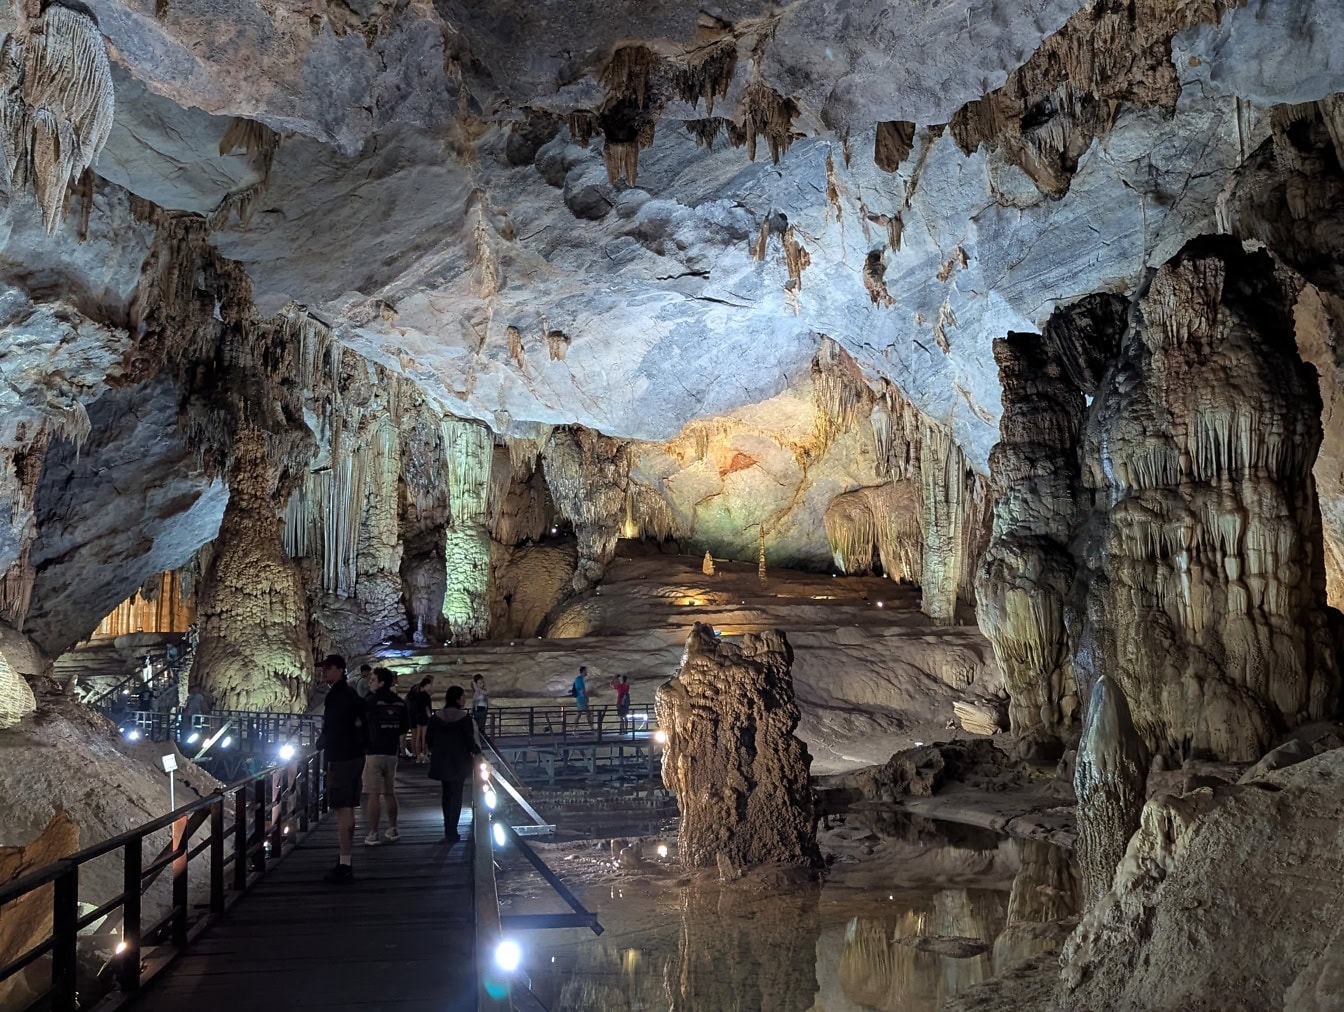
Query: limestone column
<point>589,476</point>
<point>740,774</point>
<point>470,452</point>
<point>1202,584</point>
<point>253,652</point>
<point>946,502</point>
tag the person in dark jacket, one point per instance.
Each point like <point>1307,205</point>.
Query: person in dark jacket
<point>419,704</point>
<point>344,738</point>
<point>451,736</point>
<point>388,721</point>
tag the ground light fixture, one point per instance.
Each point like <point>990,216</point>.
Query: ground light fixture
<point>491,799</point>
<point>662,850</point>
<point>660,736</point>
<point>508,955</point>
<point>228,740</point>
<point>286,752</point>
<point>193,738</point>
<point>132,735</point>
<point>497,831</point>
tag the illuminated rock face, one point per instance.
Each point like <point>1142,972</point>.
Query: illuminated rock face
<point>739,773</point>
<point>1201,589</point>
<point>253,652</point>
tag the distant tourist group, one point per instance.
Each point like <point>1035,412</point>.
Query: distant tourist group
<point>364,729</point>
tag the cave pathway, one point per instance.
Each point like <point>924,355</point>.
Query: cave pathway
<point>401,937</point>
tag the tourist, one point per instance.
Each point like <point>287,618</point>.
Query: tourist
<point>419,705</point>
<point>388,721</point>
<point>451,735</point>
<point>342,742</point>
<point>364,683</point>
<point>621,683</point>
<point>579,690</point>
<point>480,702</point>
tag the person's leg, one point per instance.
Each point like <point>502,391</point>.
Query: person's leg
<point>345,834</point>
<point>452,809</point>
<point>392,810</point>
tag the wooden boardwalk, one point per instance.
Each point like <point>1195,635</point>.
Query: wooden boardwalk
<point>400,938</point>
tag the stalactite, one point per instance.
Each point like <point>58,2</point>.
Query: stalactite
<point>766,113</point>
<point>648,515</point>
<point>883,522</point>
<point>58,104</point>
<point>260,143</point>
<point>839,392</point>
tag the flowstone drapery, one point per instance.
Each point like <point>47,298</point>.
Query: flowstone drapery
<point>253,652</point>
<point>739,773</point>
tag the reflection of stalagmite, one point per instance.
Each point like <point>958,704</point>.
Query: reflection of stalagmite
<point>739,950</point>
<point>739,773</point>
<point>1110,778</point>
<point>1202,586</point>
<point>253,652</point>
<point>1046,895</point>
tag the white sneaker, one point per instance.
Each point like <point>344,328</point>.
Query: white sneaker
<point>392,835</point>
<point>372,840</point>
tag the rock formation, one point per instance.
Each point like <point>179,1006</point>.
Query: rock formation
<point>1110,780</point>
<point>470,454</point>
<point>739,774</point>
<point>588,476</point>
<point>1202,586</point>
<point>254,651</point>
<point>28,921</point>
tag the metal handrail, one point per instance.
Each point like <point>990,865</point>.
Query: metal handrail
<point>559,723</point>
<point>493,986</point>
<point>285,801</point>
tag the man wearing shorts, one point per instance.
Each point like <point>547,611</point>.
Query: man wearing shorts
<point>344,737</point>
<point>388,721</point>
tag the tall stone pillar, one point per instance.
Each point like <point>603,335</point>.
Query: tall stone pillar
<point>470,452</point>
<point>740,775</point>
<point>253,652</point>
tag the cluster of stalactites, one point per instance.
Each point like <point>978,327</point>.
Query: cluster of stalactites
<point>20,471</point>
<point>954,508</point>
<point>648,515</point>
<point>57,106</point>
<point>882,523</point>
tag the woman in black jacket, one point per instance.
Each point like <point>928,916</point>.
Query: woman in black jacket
<point>451,737</point>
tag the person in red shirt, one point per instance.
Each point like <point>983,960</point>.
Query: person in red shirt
<point>621,683</point>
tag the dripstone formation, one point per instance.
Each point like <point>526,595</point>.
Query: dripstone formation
<point>739,773</point>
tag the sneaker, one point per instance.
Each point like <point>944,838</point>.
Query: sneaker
<point>391,836</point>
<point>452,838</point>
<point>372,839</point>
<point>339,875</point>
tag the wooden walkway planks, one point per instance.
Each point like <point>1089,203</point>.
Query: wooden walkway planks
<point>401,937</point>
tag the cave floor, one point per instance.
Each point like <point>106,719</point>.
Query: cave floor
<point>401,937</point>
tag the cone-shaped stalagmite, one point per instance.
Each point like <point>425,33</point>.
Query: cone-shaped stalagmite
<point>1109,779</point>
<point>253,652</point>
<point>739,773</point>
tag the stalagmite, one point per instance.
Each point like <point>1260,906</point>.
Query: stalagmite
<point>1202,586</point>
<point>253,652</point>
<point>470,454</point>
<point>589,476</point>
<point>1109,779</point>
<point>947,499</point>
<point>739,773</point>
<point>707,567</point>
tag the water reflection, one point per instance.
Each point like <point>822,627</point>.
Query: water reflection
<point>792,947</point>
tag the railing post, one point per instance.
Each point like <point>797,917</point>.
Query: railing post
<point>321,785</point>
<point>259,822</point>
<point>240,839</point>
<point>531,721</point>
<point>217,856</point>
<point>65,936</point>
<point>180,900</point>
<point>128,973</point>
<point>305,773</point>
<point>277,785</point>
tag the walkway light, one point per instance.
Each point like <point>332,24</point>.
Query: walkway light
<point>491,799</point>
<point>286,752</point>
<point>121,947</point>
<point>508,955</point>
<point>662,850</point>
<point>485,771</point>
<point>228,740</point>
<point>132,735</point>
<point>193,738</point>
<point>660,736</point>
<point>497,831</point>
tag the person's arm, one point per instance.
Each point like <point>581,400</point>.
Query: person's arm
<point>405,722</point>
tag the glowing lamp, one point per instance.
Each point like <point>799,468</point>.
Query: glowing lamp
<point>508,955</point>
<point>660,736</point>
<point>228,740</point>
<point>132,735</point>
<point>662,850</point>
<point>286,752</point>
<point>497,831</point>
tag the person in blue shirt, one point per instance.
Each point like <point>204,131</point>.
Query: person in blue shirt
<point>579,690</point>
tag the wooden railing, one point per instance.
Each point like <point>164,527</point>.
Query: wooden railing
<point>269,813</point>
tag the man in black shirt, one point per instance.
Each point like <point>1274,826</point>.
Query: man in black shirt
<point>345,734</point>
<point>388,721</point>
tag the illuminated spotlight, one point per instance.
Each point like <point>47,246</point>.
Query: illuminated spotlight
<point>552,530</point>
<point>662,850</point>
<point>228,740</point>
<point>485,771</point>
<point>286,752</point>
<point>879,604</point>
<point>508,955</point>
<point>660,736</point>
<point>491,799</point>
<point>286,833</point>
<point>121,947</point>
<point>132,735</point>
<point>497,830</point>
<point>193,738</point>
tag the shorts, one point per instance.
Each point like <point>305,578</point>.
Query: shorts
<point>623,705</point>
<point>380,774</point>
<point>343,782</point>
<point>420,720</point>
<point>581,703</point>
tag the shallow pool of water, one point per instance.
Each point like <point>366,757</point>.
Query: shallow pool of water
<point>931,911</point>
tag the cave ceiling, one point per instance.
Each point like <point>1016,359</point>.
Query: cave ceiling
<point>428,198</point>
